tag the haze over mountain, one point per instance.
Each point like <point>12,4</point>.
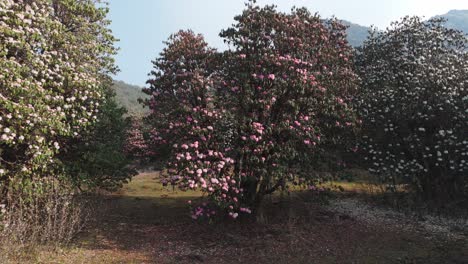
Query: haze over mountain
<point>456,19</point>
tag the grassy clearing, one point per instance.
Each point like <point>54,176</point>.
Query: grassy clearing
<point>146,223</point>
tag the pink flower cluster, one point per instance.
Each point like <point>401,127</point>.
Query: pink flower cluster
<point>202,211</point>
<point>250,119</point>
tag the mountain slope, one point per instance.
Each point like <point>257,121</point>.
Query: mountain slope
<point>127,96</point>
<point>356,33</point>
<point>456,19</point>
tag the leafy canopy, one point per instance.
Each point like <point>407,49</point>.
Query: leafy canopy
<point>245,122</point>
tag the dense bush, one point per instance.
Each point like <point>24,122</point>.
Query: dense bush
<point>414,105</point>
<point>55,57</point>
<point>248,121</point>
<point>54,214</point>
<point>98,158</point>
<point>59,126</point>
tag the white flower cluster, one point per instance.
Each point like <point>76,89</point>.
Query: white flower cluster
<point>50,79</point>
<point>413,105</point>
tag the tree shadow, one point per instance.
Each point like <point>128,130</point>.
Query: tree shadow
<point>294,231</point>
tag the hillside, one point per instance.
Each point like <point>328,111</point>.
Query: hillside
<point>127,96</point>
<point>356,33</point>
<point>456,19</point>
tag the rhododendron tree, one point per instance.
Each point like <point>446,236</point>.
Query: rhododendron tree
<point>136,145</point>
<point>246,122</point>
<point>414,104</point>
<point>289,78</point>
<point>188,117</point>
<point>55,57</point>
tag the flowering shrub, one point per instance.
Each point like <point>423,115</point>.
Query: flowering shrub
<point>136,145</point>
<point>54,61</point>
<point>414,104</point>
<point>246,122</point>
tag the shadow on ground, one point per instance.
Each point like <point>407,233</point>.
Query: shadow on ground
<point>148,224</point>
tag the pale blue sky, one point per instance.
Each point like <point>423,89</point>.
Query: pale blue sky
<point>142,25</point>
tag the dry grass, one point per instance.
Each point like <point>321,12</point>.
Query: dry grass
<point>147,223</point>
<point>52,219</point>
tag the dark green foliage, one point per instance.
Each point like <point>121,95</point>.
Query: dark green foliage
<point>98,160</point>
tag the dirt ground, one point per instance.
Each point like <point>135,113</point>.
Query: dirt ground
<point>145,223</point>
